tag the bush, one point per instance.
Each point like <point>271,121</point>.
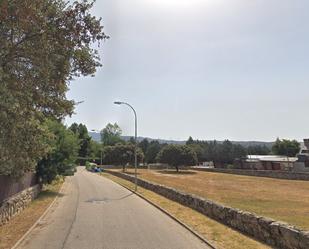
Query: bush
<point>60,160</point>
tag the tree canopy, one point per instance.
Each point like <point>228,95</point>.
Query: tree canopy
<point>222,153</point>
<point>177,155</point>
<point>110,135</point>
<point>81,131</point>
<point>144,145</point>
<point>286,147</point>
<point>43,45</point>
<point>64,146</point>
<point>152,151</point>
<point>258,150</point>
<point>121,154</point>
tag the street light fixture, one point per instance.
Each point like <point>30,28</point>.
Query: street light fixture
<point>135,149</point>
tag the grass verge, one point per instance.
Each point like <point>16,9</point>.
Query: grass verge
<point>219,235</point>
<point>11,232</point>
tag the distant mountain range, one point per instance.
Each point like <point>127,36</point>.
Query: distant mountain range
<point>97,137</point>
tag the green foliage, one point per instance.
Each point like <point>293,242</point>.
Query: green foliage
<point>64,150</point>
<point>89,165</point>
<point>190,141</point>
<point>286,147</point>
<point>110,135</point>
<point>121,154</point>
<point>220,153</point>
<point>43,45</point>
<point>177,155</point>
<point>152,151</point>
<point>226,153</point>
<point>81,132</point>
<point>22,143</point>
<point>258,150</point>
<point>95,149</point>
<point>199,150</point>
<point>144,145</point>
<point>131,140</point>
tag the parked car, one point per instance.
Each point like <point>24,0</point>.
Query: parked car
<point>97,169</point>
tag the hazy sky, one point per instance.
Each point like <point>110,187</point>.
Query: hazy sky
<point>235,69</point>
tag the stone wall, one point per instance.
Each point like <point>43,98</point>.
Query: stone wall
<point>10,186</point>
<point>120,167</point>
<point>274,233</point>
<point>288,175</point>
<point>301,167</point>
<point>16,203</point>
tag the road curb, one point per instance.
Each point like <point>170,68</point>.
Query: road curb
<point>39,219</point>
<point>171,216</point>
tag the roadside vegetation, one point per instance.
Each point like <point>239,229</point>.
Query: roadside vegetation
<point>122,154</point>
<point>11,232</point>
<point>177,155</point>
<point>282,200</point>
<point>44,44</point>
<point>114,150</point>
<point>219,235</point>
<point>286,147</point>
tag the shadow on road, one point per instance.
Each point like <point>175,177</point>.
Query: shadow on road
<point>106,199</point>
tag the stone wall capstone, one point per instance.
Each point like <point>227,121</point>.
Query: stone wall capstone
<point>269,231</point>
<point>15,204</point>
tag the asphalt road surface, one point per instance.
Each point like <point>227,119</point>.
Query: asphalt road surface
<point>96,213</point>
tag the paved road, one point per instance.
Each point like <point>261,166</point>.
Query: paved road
<point>96,213</point>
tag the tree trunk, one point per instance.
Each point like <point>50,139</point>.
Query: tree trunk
<point>177,169</point>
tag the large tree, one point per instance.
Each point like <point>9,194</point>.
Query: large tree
<point>220,153</point>
<point>286,147</point>
<point>258,150</point>
<point>121,154</point>
<point>81,131</point>
<point>111,134</point>
<point>43,45</point>
<point>95,150</point>
<point>144,145</point>
<point>152,151</point>
<point>177,155</point>
<point>61,158</point>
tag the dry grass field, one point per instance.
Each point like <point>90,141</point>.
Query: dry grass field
<point>282,200</point>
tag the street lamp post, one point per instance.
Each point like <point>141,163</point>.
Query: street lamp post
<point>135,149</point>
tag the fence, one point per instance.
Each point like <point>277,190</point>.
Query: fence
<point>10,186</point>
